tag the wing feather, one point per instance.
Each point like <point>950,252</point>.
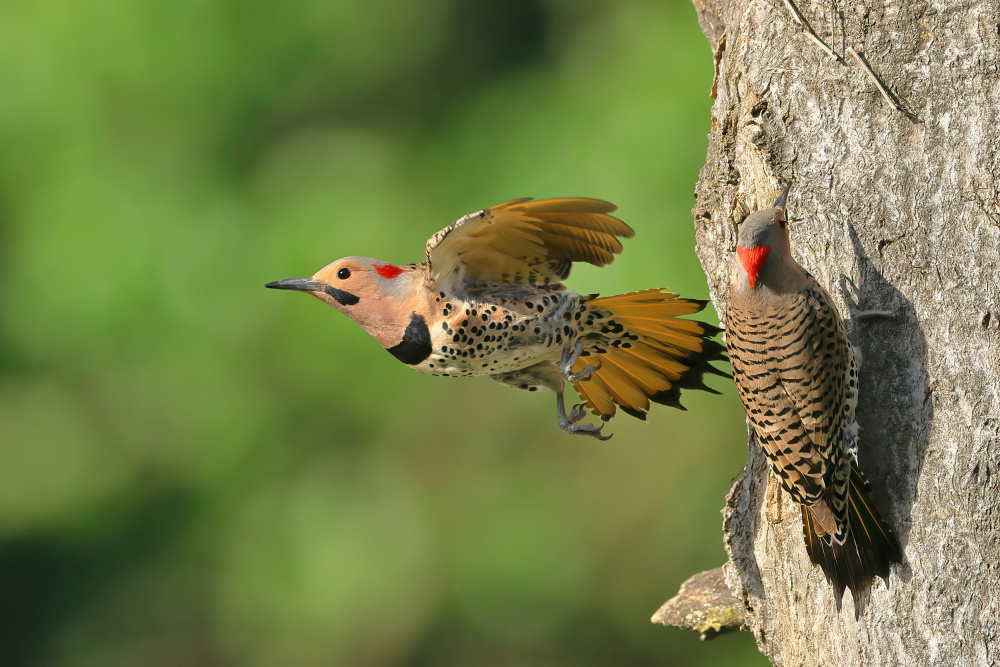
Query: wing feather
<point>525,241</point>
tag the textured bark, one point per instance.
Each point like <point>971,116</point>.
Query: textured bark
<point>907,209</point>
<point>704,604</point>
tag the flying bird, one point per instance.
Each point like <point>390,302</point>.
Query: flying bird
<point>797,375</point>
<point>489,300</point>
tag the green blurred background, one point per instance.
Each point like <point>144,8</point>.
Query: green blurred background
<point>198,471</point>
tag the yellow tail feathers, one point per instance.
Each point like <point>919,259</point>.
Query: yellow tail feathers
<point>652,355</point>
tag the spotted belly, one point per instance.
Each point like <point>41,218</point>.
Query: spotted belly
<point>487,339</point>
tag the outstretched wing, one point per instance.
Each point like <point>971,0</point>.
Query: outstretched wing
<point>525,241</point>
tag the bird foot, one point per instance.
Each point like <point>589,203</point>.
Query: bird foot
<point>569,423</point>
<point>569,359</point>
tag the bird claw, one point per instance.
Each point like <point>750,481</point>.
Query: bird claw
<point>577,413</point>
<point>583,375</point>
<point>569,359</point>
<point>587,429</point>
<point>569,423</point>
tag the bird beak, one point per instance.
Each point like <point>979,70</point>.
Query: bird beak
<point>783,197</point>
<point>299,284</point>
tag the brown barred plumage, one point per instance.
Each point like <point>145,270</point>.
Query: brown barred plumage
<point>797,377</point>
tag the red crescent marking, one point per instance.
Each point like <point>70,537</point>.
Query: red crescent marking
<point>388,270</point>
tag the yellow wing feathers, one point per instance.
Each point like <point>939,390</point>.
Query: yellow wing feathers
<point>526,241</point>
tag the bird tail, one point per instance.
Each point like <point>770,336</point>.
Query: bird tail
<point>868,549</point>
<point>651,353</point>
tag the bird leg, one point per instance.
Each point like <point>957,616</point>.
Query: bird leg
<point>569,423</point>
<point>569,358</point>
<point>545,374</point>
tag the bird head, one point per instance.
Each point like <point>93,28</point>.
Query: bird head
<point>763,240</point>
<point>373,293</point>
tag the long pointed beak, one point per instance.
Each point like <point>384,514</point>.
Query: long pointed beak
<point>783,197</point>
<point>299,284</point>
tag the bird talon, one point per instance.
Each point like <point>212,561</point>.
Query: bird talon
<point>591,430</point>
<point>583,375</point>
<point>569,423</point>
<point>577,413</point>
<point>569,359</point>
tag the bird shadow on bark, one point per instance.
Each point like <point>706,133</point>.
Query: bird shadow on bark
<point>895,410</point>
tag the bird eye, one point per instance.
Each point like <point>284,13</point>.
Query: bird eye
<point>344,274</point>
<point>783,223</point>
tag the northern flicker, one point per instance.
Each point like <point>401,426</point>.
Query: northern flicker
<point>489,300</point>
<point>798,379</point>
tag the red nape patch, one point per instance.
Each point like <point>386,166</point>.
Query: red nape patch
<point>388,270</point>
<point>752,259</point>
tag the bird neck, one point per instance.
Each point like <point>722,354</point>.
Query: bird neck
<point>386,314</point>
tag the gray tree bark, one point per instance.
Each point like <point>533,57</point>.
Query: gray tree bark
<point>897,192</point>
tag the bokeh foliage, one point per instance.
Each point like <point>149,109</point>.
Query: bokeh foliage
<point>198,471</point>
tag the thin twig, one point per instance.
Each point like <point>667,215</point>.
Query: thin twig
<point>889,97</point>
<point>810,33</point>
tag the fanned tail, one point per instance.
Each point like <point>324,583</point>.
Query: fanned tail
<point>868,550</point>
<point>652,354</point>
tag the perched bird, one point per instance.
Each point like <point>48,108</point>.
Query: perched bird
<point>797,375</point>
<point>489,300</point>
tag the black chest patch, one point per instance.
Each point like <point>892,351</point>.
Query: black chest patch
<point>416,343</point>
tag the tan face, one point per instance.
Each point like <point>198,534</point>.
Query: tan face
<point>342,284</point>
<point>347,280</point>
<point>377,295</point>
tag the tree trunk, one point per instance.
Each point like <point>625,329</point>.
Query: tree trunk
<point>892,149</point>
